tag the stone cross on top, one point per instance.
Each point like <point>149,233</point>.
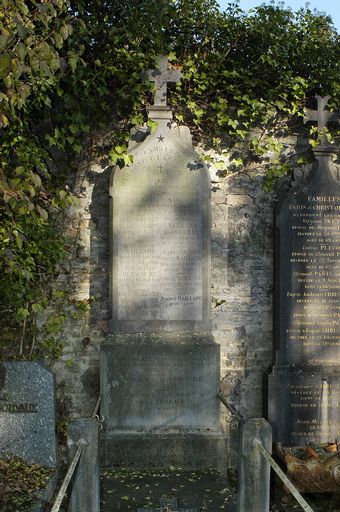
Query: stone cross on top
<point>161,76</point>
<point>322,116</point>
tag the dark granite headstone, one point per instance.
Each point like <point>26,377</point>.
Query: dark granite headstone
<point>27,412</point>
<point>160,364</point>
<point>304,403</point>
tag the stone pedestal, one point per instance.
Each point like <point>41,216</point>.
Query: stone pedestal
<point>159,401</point>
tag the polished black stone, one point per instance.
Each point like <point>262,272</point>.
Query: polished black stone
<point>303,406</point>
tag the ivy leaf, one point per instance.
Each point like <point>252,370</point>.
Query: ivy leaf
<point>42,212</point>
<point>73,61</point>
<point>21,314</point>
<point>5,60</point>
<point>36,179</point>
<point>37,308</point>
<point>58,39</point>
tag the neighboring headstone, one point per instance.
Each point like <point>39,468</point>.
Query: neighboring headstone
<point>27,412</point>
<point>85,489</point>
<point>254,470</point>
<point>304,387</point>
<point>160,365</point>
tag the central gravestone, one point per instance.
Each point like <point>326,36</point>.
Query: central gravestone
<point>159,364</point>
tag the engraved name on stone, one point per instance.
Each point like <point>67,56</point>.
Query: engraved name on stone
<point>9,406</point>
<point>23,407</point>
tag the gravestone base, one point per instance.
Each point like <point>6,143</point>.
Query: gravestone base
<point>186,449</point>
<point>304,404</point>
<point>159,401</point>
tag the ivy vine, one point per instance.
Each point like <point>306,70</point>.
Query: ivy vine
<point>70,69</point>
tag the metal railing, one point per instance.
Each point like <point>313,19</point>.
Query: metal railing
<point>257,444</point>
<point>64,486</point>
<point>73,465</point>
<point>291,487</point>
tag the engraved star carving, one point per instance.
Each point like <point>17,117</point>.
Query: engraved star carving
<point>160,138</point>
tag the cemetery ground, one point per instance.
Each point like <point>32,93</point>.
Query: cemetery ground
<point>126,490</point>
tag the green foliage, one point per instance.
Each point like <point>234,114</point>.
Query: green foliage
<point>31,192</point>
<point>69,69</point>
<point>20,483</point>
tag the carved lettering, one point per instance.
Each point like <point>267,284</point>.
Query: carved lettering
<point>159,239</point>
<point>18,408</point>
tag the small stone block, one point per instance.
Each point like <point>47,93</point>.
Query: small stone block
<point>27,412</point>
<point>254,470</point>
<point>85,490</point>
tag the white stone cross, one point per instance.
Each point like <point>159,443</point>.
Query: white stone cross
<point>322,116</point>
<point>161,76</point>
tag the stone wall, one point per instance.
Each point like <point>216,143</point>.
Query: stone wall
<point>242,261</point>
<point>242,276</point>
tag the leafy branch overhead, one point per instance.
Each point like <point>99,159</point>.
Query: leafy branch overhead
<point>72,69</point>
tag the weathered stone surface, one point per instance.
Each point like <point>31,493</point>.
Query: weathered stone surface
<point>309,270</point>
<point>304,404</point>
<point>159,401</point>
<point>160,382</point>
<point>161,237</point>
<point>254,470</point>
<point>241,276</point>
<point>304,386</point>
<point>184,448</point>
<point>27,412</point>
<point>154,378</point>
<point>242,218</point>
<point>84,496</point>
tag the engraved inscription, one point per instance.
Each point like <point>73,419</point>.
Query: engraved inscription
<point>314,411</point>
<point>312,294</point>
<point>162,386</point>
<point>304,388</point>
<point>159,238</point>
<point>22,407</point>
<point>8,406</point>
